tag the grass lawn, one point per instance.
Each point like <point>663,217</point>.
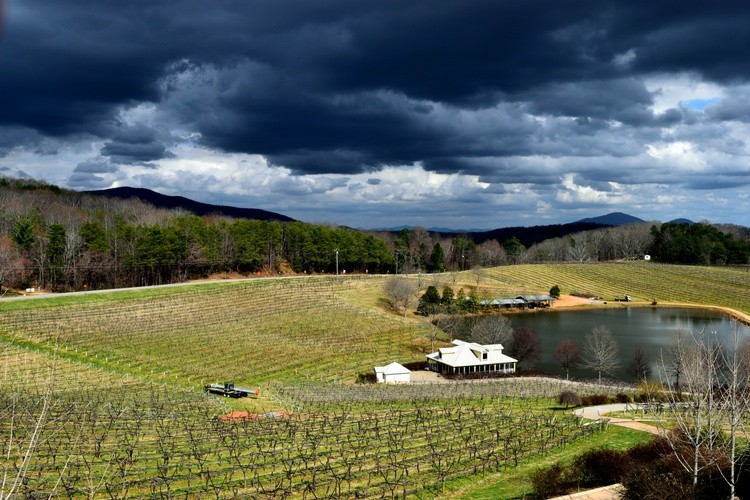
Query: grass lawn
<point>515,482</point>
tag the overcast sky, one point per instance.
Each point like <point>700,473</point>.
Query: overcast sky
<point>462,114</point>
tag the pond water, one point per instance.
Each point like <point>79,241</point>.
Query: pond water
<point>651,328</point>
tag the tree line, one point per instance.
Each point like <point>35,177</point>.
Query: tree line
<point>63,240</point>
<point>97,254</point>
<point>697,244</point>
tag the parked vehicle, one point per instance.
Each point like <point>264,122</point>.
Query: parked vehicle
<point>229,390</point>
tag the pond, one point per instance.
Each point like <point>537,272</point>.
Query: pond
<point>651,328</point>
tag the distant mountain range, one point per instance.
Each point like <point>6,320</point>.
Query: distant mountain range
<point>195,207</point>
<point>536,234</point>
<point>527,235</point>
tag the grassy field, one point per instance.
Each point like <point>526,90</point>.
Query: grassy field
<point>116,379</point>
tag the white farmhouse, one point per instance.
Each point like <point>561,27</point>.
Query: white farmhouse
<point>394,373</point>
<point>465,358</point>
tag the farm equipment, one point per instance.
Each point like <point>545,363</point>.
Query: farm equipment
<point>626,298</point>
<point>230,391</point>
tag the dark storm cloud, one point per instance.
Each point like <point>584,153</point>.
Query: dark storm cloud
<point>624,100</point>
<point>347,87</point>
<point>735,106</point>
<point>96,166</point>
<point>135,145</point>
<point>91,174</point>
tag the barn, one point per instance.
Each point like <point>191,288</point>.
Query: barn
<point>393,373</point>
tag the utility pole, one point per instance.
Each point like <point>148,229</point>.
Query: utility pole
<point>337,262</point>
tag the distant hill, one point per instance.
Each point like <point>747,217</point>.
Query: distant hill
<point>195,207</point>
<point>683,221</point>
<point>613,219</point>
<point>535,234</point>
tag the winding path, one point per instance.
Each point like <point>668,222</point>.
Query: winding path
<point>598,412</point>
<point>611,492</point>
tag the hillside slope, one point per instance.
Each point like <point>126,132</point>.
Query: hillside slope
<point>195,207</point>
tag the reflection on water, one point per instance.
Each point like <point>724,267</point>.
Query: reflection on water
<point>652,328</point>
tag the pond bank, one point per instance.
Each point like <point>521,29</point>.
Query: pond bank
<point>571,302</point>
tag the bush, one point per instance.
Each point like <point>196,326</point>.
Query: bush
<point>601,467</point>
<point>569,398</point>
<point>658,474</point>
<point>595,400</point>
<point>621,397</point>
<point>658,480</point>
<point>666,479</point>
<point>367,378</point>
<point>549,481</point>
<point>415,365</point>
<point>651,391</point>
<point>649,452</point>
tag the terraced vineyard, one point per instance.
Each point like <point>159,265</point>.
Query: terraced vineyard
<point>170,444</point>
<point>104,390</point>
<point>644,281</point>
<point>249,332</point>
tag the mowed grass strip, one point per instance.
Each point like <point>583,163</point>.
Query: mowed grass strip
<point>516,482</point>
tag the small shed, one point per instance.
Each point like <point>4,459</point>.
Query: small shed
<point>394,373</point>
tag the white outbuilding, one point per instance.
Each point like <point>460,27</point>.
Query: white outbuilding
<point>394,373</point>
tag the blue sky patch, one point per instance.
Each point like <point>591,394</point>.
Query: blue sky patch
<point>701,104</point>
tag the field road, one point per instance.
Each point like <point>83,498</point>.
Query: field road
<point>39,295</point>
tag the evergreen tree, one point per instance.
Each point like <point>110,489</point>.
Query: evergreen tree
<point>437,259</point>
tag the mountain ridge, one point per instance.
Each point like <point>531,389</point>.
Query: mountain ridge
<point>527,235</point>
<point>195,207</point>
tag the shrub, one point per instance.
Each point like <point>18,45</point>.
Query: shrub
<point>649,452</point>
<point>601,467</point>
<point>658,474</point>
<point>595,400</point>
<point>650,391</point>
<point>549,481</point>
<point>621,397</point>
<point>666,479</point>
<point>415,365</point>
<point>569,398</point>
<point>366,378</point>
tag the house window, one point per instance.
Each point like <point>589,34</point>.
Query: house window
<point>484,355</point>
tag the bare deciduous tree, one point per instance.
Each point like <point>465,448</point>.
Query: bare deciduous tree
<point>693,404</point>
<point>492,330</point>
<point>525,347</point>
<point>639,367</point>
<point>568,355</point>
<point>601,352</point>
<point>710,401</point>
<point>401,293</point>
